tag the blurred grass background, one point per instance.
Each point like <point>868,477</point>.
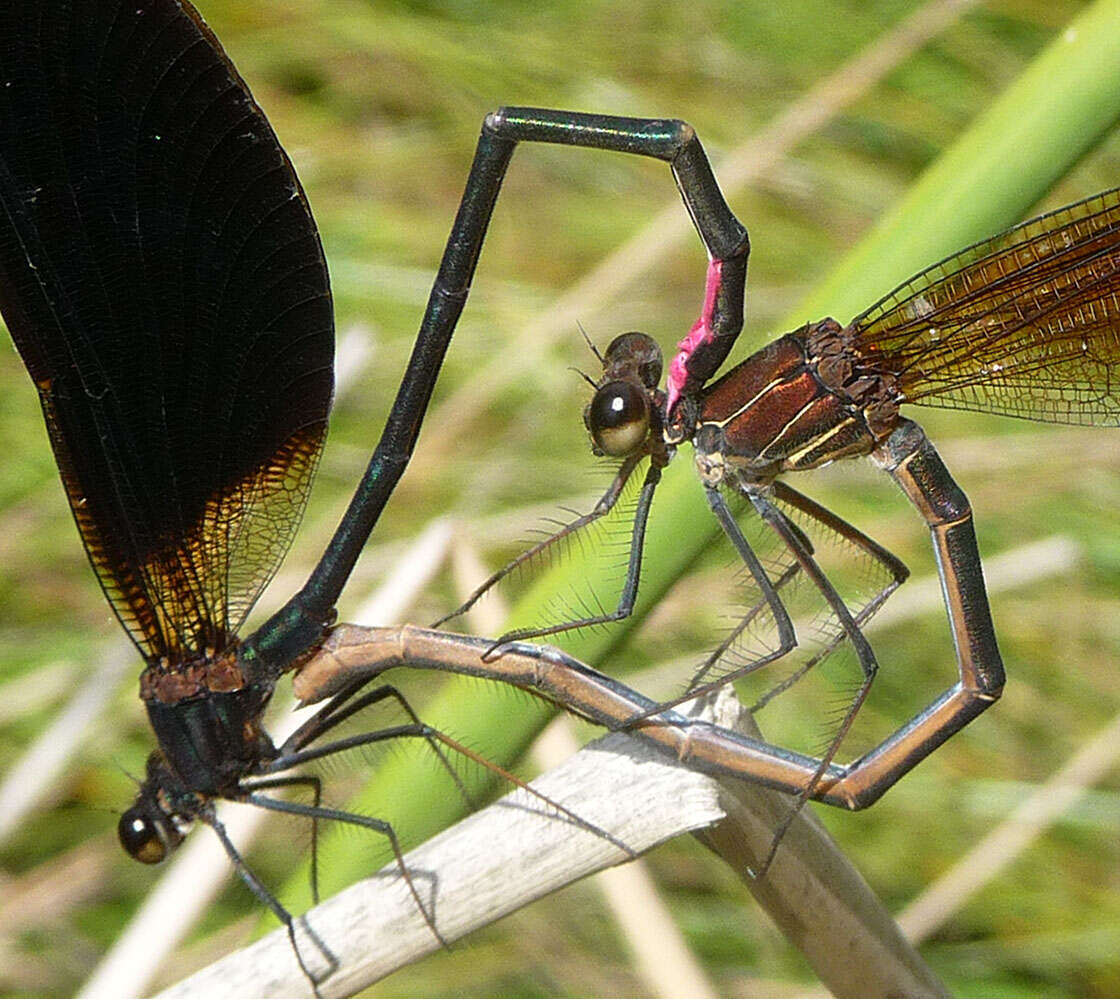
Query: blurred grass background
<point>379,105</point>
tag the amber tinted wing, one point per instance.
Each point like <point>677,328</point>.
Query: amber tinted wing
<point>1025,324</point>
<point>164,283</point>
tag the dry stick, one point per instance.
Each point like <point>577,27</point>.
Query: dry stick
<point>814,894</point>
<point>661,956</point>
<point>670,228</point>
<point>488,865</point>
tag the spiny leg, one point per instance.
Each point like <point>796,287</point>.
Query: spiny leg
<point>604,506</point>
<point>297,780</point>
<point>887,559</point>
<point>253,883</point>
<point>413,730</point>
<point>697,686</point>
<point>794,541</point>
<point>912,461</point>
<point>787,639</point>
<point>629,587</point>
<point>345,705</point>
<point>299,625</point>
<point>364,821</point>
<point>422,730</point>
<point>785,493</point>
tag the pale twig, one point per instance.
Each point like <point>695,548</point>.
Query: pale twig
<point>488,865</point>
<point>661,956</point>
<point>812,891</point>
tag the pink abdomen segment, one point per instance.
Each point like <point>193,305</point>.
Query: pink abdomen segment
<point>701,333</point>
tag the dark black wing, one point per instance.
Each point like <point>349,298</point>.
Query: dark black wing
<point>1026,323</point>
<point>163,280</point>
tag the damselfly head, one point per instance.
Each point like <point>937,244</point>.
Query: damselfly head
<point>619,416</point>
<point>147,833</point>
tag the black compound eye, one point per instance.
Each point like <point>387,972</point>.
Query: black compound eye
<point>618,418</point>
<point>141,837</point>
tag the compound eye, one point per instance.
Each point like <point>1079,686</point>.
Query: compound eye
<point>618,418</point>
<point>142,838</point>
